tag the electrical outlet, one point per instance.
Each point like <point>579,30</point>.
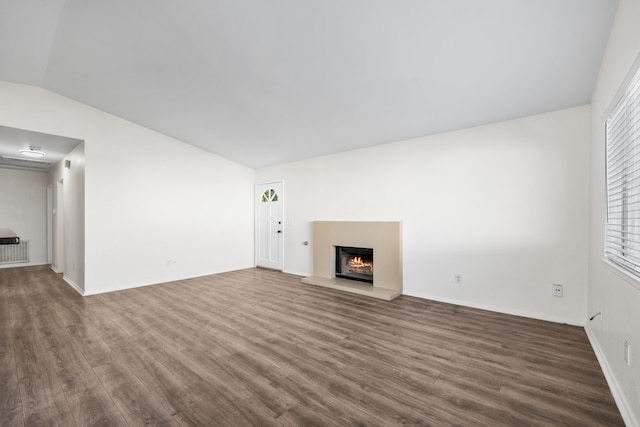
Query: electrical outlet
<point>457,278</point>
<point>627,353</point>
<point>556,290</point>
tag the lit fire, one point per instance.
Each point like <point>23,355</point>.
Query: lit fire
<point>357,265</point>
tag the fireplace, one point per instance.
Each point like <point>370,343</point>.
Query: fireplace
<point>385,240</point>
<point>354,263</point>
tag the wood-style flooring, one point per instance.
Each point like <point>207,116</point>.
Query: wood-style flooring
<point>257,347</point>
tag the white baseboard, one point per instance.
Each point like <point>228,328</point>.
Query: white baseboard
<point>127,287</point>
<point>97,291</point>
<point>618,396</point>
<point>295,273</point>
<point>22,264</point>
<point>72,284</point>
<point>520,313</point>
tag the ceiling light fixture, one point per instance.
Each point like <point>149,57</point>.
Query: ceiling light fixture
<point>32,152</point>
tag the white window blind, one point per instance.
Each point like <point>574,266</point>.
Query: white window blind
<point>622,240</point>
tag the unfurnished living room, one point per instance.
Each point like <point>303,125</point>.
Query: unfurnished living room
<point>320,213</point>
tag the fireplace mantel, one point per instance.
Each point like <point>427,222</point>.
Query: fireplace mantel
<point>384,237</point>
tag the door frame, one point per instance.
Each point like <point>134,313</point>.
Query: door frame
<point>59,235</point>
<point>256,197</point>
<point>49,224</point>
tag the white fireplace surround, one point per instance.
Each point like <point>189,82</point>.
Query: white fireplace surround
<point>385,238</point>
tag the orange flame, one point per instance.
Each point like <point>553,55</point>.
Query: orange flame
<point>357,265</point>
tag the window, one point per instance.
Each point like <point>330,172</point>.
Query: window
<point>622,232</point>
<point>269,196</point>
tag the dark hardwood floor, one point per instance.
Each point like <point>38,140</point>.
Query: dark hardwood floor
<point>257,347</point>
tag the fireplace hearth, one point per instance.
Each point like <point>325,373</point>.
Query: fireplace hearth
<point>354,263</point>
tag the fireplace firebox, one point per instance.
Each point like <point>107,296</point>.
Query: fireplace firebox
<point>354,263</point>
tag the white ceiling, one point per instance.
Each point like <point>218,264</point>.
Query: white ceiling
<point>267,82</point>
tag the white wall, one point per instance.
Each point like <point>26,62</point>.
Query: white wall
<point>618,299</point>
<point>156,209</point>
<point>504,205</point>
<point>23,209</point>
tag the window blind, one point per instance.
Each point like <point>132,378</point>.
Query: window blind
<point>622,231</point>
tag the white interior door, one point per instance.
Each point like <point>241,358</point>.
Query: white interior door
<point>269,225</point>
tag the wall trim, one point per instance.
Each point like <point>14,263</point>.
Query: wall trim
<point>521,313</point>
<point>72,284</point>
<point>23,264</point>
<point>626,275</point>
<point>295,273</point>
<point>614,386</point>
<point>168,280</point>
<point>127,287</point>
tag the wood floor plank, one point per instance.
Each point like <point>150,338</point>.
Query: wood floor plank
<point>133,399</point>
<point>42,396</point>
<point>164,385</point>
<point>257,347</point>
<point>10,401</point>
<point>94,407</point>
<point>94,350</point>
<point>71,367</point>
<point>219,411</point>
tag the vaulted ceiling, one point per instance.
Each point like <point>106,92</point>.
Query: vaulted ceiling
<point>263,82</point>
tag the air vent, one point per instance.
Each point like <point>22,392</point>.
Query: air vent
<point>10,254</point>
<point>26,161</point>
<point>25,164</point>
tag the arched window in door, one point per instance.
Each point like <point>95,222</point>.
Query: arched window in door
<point>269,195</point>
